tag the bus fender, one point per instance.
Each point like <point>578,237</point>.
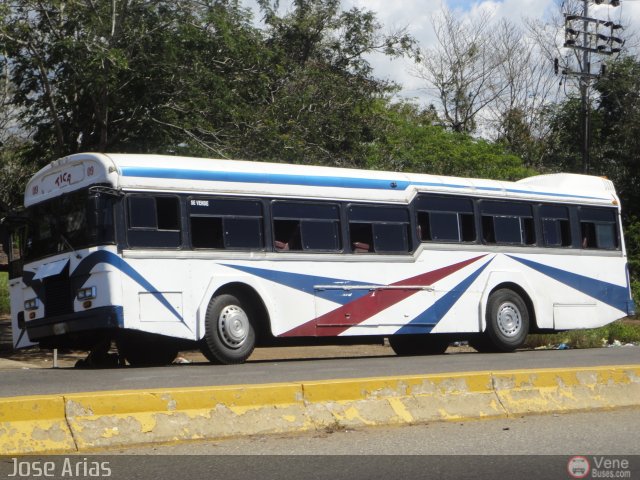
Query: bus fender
<point>218,282</point>
<point>517,281</point>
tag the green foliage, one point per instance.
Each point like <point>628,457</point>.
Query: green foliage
<point>196,77</point>
<point>4,294</point>
<point>413,142</point>
<point>15,170</point>
<point>621,330</point>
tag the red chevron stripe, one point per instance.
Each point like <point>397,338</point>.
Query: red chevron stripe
<point>346,316</point>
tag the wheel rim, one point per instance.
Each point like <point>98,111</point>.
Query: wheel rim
<point>509,319</point>
<point>233,326</point>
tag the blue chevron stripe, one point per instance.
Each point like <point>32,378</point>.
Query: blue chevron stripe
<point>427,320</point>
<point>306,283</point>
<point>609,293</point>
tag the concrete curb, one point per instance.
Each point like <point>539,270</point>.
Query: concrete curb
<point>85,421</point>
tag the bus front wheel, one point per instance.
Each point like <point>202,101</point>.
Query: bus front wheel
<point>507,320</point>
<point>230,334</point>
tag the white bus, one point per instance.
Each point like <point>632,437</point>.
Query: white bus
<point>159,253</point>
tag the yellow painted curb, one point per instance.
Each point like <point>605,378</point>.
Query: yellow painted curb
<point>82,421</point>
<point>34,424</point>
<point>107,419</point>
<point>408,399</point>
<point>568,389</point>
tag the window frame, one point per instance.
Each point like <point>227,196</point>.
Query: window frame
<point>223,217</point>
<point>298,220</point>
<point>499,209</point>
<point>147,237</point>
<point>422,209</point>
<point>377,214</point>
<point>614,224</point>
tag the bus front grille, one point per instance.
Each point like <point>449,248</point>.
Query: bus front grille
<point>58,295</point>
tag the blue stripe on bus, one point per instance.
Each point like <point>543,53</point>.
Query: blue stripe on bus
<point>264,177</point>
<point>307,283</point>
<point>605,292</point>
<point>105,256</point>
<point>427,320</point>
<point>313,181</point>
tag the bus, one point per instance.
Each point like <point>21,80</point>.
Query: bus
<point>161,253</point>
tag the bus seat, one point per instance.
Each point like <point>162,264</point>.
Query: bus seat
<point>281,245</point>
<point>360,247</point>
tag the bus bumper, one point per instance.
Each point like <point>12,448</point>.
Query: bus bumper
<point>101,318</point>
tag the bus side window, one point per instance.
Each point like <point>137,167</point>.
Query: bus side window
<point>507,223</point>
<point>225,223</point>
<point>379,229</point>
<point>308,227</point>
<point>598,228</point>
<point>556,228</point>
<point>154,221</point>
<point>447,219</point>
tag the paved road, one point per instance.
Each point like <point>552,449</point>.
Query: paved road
<point>66,380</point>
<point>534,447</point>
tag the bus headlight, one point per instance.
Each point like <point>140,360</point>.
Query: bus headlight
<point>87,293</point>
<point>31,304</point>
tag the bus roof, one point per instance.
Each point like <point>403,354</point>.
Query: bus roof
<point>133,172</point>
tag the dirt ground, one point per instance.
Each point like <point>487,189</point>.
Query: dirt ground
<point>37,358</point>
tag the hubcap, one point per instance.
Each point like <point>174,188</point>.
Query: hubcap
<point>233,326</point>
<point>509,319</point>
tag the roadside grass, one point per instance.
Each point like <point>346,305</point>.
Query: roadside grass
<point>4,294</point>
<point>623,331</point>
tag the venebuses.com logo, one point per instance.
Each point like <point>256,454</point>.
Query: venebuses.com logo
<point>578,467</point>
<point>598,467</point>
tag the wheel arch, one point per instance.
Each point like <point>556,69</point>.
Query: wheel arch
<point>525,297</point>
<point>498,281</point>
<point>250,294</point>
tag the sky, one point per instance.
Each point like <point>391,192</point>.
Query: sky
<point>415,15</point>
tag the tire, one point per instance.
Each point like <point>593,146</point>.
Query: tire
<point>507,320</point>
<point>411,345</point>
<point>147,351</point>
<point>230,333</point>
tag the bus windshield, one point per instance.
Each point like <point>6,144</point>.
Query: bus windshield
<point>69,222</point>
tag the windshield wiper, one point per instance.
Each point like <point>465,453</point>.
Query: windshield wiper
<point>68,243</point>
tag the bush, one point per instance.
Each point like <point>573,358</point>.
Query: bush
<point>621,330</point>
<point>4,294</point>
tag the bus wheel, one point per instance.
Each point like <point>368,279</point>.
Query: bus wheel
<point>146,351</point>
<point>406,345</point>
<point>230,335</point>
<point>507,320</point>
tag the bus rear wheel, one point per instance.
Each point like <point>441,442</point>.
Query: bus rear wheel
<point>507,320</point>
<point>230,334</point>
<point>411,345</point>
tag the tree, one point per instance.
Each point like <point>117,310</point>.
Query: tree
<point>463,68</point>
<point>322,107</point>
<point>415,142</point>
<point>196,77</point>
<point>132,74</point>
<point>616,143</point>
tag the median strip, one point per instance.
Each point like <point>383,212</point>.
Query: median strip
<point>96,420</point>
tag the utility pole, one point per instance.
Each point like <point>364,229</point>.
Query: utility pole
<point>589,39</point>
